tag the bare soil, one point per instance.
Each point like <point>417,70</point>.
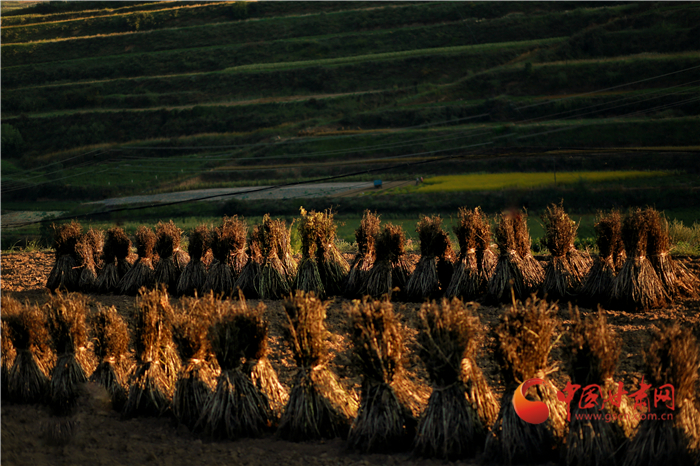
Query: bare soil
<point>103,437</point>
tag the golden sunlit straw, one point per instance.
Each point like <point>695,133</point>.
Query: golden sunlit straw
<point>142,272</point>
<point>365,236</point>
<point>194,275</point>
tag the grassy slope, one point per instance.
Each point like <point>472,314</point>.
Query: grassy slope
<point>503,74</point>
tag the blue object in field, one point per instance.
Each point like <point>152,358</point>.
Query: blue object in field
<point>377,183</point>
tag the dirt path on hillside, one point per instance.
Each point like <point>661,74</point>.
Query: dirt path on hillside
<point>103,437</point>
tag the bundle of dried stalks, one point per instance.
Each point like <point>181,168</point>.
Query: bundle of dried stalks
<point>65,273</point>
<point>597,285</point>
<point>196,380</point>
<point>384,421</point>
<point>66,322</point>
<point>671,363</point>
<point>171,258</point>
<point>141,273</point>
<point>532,271</point>
<point>274,282</point>
<point>87,281</point>
<point>237,408</point>
<point>259,369</point>
<point>449,333</point>
<point>248,282</point>
<point>235,231</point>
<point>114,253</point>
<point>152,382</point>
<point>524,340</point>
<point>308,274</point>
<point>111,346</point>
<point>226,240</point>
<point>391,269</point>
<point>591,351</point>
<point>434,270</point>
<point>285,254</point>
<point>507,279</point>
<point>318,406</point>
<point>677,279</point>
<point>7,355</point>
<point>476,263</point>
<point>365,236</point>
<point>194,275</point>
<point>28,377</point>
<point>637,286</point>
<point>562,274</point>
<point>332,266</point>
<point>96,240</point>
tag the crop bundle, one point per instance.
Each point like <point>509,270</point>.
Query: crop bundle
<point>598,283</point>
<point>524,340</point>
<point>171,258</point>
<point>308,273</point>
<point>111,346</point>
<point>28,377</point>
<point>450,427</point>
<point>384,420</point>
<point>195,383</point>
<point>194,275</point>
<point>672,358</point>
<point>7,354</point>
<point>332,266</point>
<point>142,272</point>
<point>563,274</point>
<point>677,280</point>
<point>65,273</point>
<point>87,281</point>
<point>248,282</point>
<point>237,408</point>
<point>284,251</point>
<point>637,285</point>
<point>532,271</point>
<point>591,353</point>
<point>392,268</point>
<point>227,240</point>
<point>507,279</point>
<point>434,270</point>
<point>318,406</point>
<point>365,237</point>
<point>476,263</point>
<point>68,330</point>
<point>274,283</point>
<point>114,253</point>
<point>95,238</point>
<point>257,365</point>
<point>236,230</point>
<point>152,382</point>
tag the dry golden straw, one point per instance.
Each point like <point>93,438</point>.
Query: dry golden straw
<point>476,262</point>
<point>365,236</point>
<point>384,420</point>
<point>111,345</point>
<point>237,408</point>
<point>152,382</point>
<point>525,338</point>
<point>318,406</point>
<point>434,270</point>
<point>448,334</point>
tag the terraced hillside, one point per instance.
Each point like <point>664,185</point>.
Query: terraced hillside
<point>105,99</point>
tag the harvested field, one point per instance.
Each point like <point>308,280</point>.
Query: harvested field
<point>104,438</point>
